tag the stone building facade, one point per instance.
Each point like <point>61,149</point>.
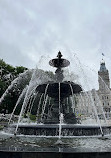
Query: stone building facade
<point>104,91</point>
<point>96,102</point>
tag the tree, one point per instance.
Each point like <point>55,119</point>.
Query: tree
<point>7,74</point>
<point>20,69</point>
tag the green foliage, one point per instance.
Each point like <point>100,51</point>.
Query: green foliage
<point>2,87</point>
<point>10,68</point>
<point>1,127</point>
<point>7,74</point>
<point>20,69</point>
<point>2,63</point>
<point>32,117</point>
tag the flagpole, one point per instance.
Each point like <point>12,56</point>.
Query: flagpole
<point>102,55</point>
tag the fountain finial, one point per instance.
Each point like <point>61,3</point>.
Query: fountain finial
<point>59,55</point>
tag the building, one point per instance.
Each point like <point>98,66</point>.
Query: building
<point>96,102</point>
<point>104,91</point>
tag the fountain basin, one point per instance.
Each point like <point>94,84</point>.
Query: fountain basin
<point>21,146</point>
<point>68,130</point>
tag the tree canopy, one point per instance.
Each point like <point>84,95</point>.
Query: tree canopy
<point>7,74</point>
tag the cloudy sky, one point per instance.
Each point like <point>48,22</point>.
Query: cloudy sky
<point>34,29</point>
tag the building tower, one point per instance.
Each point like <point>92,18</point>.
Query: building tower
<point>104,88</point>
<point>103,77</point>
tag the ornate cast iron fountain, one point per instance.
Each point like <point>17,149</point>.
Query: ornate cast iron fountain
<point>59,90</point>
<point>56,109</point>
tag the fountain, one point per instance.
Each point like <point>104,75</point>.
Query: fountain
<point>53,108</point>
<point>52,102</point>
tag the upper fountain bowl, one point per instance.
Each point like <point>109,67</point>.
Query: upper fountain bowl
<point>59,62</point>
